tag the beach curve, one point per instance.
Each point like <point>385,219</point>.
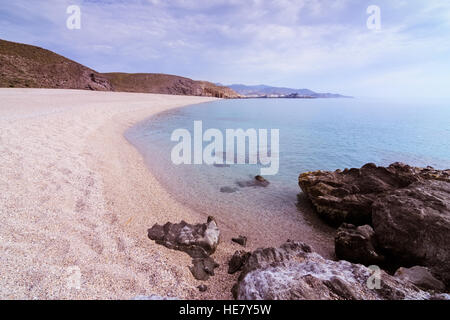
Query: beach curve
<point>77,200</point>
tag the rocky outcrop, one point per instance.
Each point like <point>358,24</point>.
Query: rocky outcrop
<point>294,272</point>
<point>237,261</point>
<point>199,241</point>
<point>421,277</point>
<point>407,207</point>
<point>412,225</point>
<point>357,244</point>
<point>347,196</point>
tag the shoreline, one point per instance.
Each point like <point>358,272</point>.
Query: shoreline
<point>265,225</point>
<point>76,195</point>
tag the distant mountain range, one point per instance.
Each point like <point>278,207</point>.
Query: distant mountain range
<point>263,91</point>
<point>26,66</point>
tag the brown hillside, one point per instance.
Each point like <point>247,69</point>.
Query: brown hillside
<point>167,84</point>
<point>25,66</point>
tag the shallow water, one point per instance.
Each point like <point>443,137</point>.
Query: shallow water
<point>322,134</point>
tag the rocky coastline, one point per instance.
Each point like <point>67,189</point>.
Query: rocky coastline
<point>392,240</point>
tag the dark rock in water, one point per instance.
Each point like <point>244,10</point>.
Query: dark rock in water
<point>237,261</point>
<point>218,165</point>
<point>293,272</point>
<point>421,277</point>
<point>357,245</point>
<point>242,240</point>
<point>258,181</point>
<point>202,268</point>
<point>202,288</point>
<point>199,241</point>
<point>262,181</point>
<point>412,225</point>
<point>228,189</point>
<point>347,196</point>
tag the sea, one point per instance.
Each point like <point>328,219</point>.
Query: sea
<point>314,134</point>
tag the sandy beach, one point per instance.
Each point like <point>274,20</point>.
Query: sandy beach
<point>77,199</point>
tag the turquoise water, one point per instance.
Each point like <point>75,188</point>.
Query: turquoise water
<point>321,134</point>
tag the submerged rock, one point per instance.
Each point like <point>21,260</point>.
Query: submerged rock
<point>293,272</point>
<point>412,225</point>
<point>228,189</point>
<point>262,181</point>
<point>220,165</point>
<point>421,277</point>
<point>199,241</point>
<point>258,181</point>
<point>357,245</point>
<point>347,196</point>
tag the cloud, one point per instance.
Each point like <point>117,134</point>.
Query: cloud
<point>283,42</point>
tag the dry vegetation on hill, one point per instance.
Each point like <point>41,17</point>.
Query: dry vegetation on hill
<point>26,66</point>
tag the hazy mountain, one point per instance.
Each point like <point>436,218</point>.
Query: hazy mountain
<point>263,91</point>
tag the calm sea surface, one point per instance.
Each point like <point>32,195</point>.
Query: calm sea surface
<point>320,134</point>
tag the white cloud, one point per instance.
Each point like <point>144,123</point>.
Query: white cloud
<point>232,40</point>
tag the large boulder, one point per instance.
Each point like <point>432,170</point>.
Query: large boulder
<point>294,272</point>
<point>357,245</point>
<point>199,241</point>
<point>412,226</point>
<point>347,196</point>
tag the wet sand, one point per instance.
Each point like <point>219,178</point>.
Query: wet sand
<point>76,200</point>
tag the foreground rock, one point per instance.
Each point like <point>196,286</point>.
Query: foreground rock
<point>237,261</point>
<point>293,272</point>
<point>421,277</point>
<point>242,240</point>
<point>412,225</point>
<point>347,196</point>
<point>407,207</point>
<point>357,244</point>
<point>199,241</point>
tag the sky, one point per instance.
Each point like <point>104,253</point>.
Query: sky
<point>323,45</point>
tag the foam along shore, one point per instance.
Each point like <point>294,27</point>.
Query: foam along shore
<point>76,200</point>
